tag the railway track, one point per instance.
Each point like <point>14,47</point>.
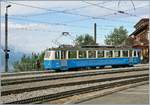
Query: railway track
<point>68,87</point>
<point>52,76</point>
<point>45,71</point>
<point>25,73</point>
<point>19,89</point>
<point>69,93</point>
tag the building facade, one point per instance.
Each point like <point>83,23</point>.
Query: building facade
<point>140,38</point>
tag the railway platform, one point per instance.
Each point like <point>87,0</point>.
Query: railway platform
<point>136,95</point>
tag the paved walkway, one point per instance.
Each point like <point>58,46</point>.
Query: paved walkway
<point>137,95</point>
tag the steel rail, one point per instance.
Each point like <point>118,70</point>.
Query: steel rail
<point>21,90</point>
<point>24,73</point>
<point>56,96</point>
<point>65,76</point>
<point>46,71</point>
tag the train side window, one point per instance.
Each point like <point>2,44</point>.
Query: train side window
<point>125,53</point>
<point>116,53</point>
<point>57,55</point>
<point>100,54</point>
<point>138,53</point>
<point>92,54</point>
<point>63,54</point>
<point>134,53</point>
<point>109,54</point>
<point>72,54</point>
<point>130,53</point>
<point>82,54</point>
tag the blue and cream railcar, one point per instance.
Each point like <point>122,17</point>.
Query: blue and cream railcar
<point>83,58</point>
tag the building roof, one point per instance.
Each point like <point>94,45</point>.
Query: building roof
<point>141,25</point>
<point>137,31</point>
<point>141,21</point>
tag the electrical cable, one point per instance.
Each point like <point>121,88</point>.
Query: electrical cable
<point>64,12</point>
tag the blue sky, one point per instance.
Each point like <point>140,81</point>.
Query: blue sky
<point>33,26</point>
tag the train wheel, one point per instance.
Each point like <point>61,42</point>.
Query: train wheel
<point>130,65</point>
<point>58,70</point>
<point>101,67</point>
<point>115,66</point>
<point>92,67</point>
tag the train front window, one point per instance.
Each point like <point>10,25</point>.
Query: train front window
<point>47,55</point>
<point>92,54</point>
<point>100,54</point>
<point>72,54</point>
<point>125,53</point>
<point>82,54</point>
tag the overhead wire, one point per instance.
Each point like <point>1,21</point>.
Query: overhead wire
<point>54,23</point>
<point>53,10</point>
<point>64,12</point>
<point>131,1</point>
<point>74,21</point>
<point>67,25</point>
<point>76,14</point>
<point>39,30</point>
<point>118,11</point>
<point>115,13</point>
<point>42,30</point>
<point>61,24</point>
<point>57,31</point>
<point>50,23</point>
<point>98,5</point>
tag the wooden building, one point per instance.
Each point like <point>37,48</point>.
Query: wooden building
<point>140,38</point>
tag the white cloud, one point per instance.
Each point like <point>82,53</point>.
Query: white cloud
<point>24,37</point>
<point>26,26</point>
<point>30,36</point>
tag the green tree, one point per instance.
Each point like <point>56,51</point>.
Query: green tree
<point>25,64</point>
<point>129,41</point>
<point>84,40</point>
<point>117,37</point>
<point>28,63</point>
<point>41,59</point>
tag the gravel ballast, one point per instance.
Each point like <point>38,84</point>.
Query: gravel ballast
<point>69,80</point>
<point>27,95</point>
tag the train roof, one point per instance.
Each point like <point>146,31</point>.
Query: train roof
<point>95,47</point>
<point>103,46</point>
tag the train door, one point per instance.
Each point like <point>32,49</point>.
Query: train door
<point>130,57</point>
<point>63,60</point>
